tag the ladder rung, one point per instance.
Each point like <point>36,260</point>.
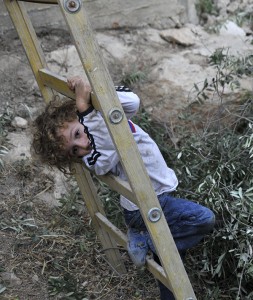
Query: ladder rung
<point>59,84</point>
<point>121,239</point>
<point>118,235</point>
<point>56,82</point>
<point>118,185</point>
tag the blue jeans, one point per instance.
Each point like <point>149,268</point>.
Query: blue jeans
<point>189,222</point>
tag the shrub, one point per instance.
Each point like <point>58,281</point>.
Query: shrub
<point>214,164</point>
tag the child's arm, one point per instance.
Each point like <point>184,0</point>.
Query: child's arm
<point>82,91</point>
<point>104,157</point>
<point>129,101</point>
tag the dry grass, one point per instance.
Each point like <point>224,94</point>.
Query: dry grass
<point>53,252</point>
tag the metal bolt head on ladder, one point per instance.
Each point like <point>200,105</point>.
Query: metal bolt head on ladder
<point>72,6</point>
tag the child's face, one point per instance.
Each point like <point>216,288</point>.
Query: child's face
<point>77,143</point>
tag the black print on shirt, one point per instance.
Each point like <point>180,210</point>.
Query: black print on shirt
<point>95,154</point>
<point>122,88</point>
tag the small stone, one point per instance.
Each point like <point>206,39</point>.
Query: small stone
<point>19,122</point>
<point>11,278</point>
<point>35,278</point>
<point>182,36</point>
<point>231,28</point>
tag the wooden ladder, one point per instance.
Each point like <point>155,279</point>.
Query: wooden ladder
<point>138,188</point>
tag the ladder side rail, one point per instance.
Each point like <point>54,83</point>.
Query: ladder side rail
<point>35,56</point>
<point>93,204</point>
<point>29,40</point>
<point>41,1</point>
<point>138,179</point>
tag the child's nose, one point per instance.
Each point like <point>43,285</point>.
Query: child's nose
<point>83,144</point>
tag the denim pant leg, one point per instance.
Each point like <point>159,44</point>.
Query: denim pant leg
<point>134,219</point>
<point>189,222</point>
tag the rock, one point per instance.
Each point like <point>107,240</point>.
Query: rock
<point>35,278</point>
<point>11,278</point>
<point>153,36</point>
<point>19,122</point>
<point>65,61</point>
<point>24,111</point>
<point>233,7</point>
<point>114,46</point>
<point>222,6</point>
<point>230,28</point>
<point>20,147</point>
<point>182,36</point>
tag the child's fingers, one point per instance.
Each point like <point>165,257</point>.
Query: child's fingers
<point>71,83</point>
<point>77,84</point>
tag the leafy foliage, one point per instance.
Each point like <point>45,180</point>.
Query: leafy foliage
<point>67,286</point>
<point>133,77</point>
<point>206,7</point>
<point>229,71</point>
<point>215,167</point>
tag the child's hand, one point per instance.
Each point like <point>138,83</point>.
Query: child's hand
<point>82,91</point>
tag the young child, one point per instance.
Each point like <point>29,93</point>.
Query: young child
<point>69,131</point>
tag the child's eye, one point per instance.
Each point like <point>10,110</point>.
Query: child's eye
<point>77,133</point>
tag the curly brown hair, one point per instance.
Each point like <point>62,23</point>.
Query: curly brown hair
<point>47,143</point>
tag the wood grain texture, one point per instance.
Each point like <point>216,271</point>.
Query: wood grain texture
<point>29,41</point>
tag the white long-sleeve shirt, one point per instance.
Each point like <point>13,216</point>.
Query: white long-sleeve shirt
<point>104,158</point>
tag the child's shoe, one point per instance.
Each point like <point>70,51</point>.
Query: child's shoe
<point>137,246</point>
